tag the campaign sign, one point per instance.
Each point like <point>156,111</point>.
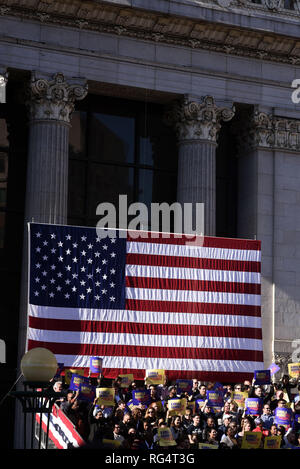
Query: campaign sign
<point>76,381</point>
<point>274,368</point>
<point>283,416</point>
<point>143,396</point>
<point>251,440</point>
<point>218,387</point>
<point>215,399</point>
<point>177,406</point>
<point>112,444</point>
<point>165,437</point>
<point>191,405</point>
<point>126,380</point>
<point>253,405</point>
<point>294,370</point>
<point>207,446</point>
<point>155,376</point>
<point>262,376</point>
<point>199,404</point>
<point>272,442</point>
<point>96,365</point>
<point>86,392</point>
<point>106,397</point>
<point>184,385</point>
<point>60,368</point>
<point>70,371</point>
<point>239,397</point>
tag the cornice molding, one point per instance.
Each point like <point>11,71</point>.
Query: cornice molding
<point>156,27</point>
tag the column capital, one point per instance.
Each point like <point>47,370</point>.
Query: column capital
<point>53,98</point>
<point>259,130</point>
<point>195,120</point>
<point>3,81</point>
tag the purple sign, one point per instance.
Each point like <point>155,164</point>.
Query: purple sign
<point>253,405</point>
<point>262,376</point>
<point>274,368</point>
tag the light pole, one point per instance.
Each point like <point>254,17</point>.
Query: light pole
<point>39,366</point>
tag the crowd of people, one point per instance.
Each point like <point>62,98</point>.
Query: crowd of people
<point>137,426</point>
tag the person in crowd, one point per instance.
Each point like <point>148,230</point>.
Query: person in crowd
<point>273,430</point>
<point>229,440</point>
<point>290,439</point>
<point>187,418</point>
<point>150,416</point>
<point>70,399</point>
<point>211,438</point>
<point>125,424</point>
<point>208,425</point>
<point>96,423</point>
<point>177,428</point>
<point>259,427</point>
<point>194,431</point>
<point>267,417</point>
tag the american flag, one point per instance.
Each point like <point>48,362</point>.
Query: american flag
<point>189,308</point>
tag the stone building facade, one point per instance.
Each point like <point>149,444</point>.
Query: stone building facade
<point>195,96</point>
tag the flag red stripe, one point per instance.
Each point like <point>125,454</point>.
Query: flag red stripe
<point>189,307</point>
<point>192,262</point>
<point>207,242</point>
<point>187,284</point>
<point>146,351</point>
<point>142,328</point>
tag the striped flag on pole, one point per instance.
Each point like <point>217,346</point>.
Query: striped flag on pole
<point>191,308</point>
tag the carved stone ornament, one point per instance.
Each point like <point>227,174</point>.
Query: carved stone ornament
<point>201,121</point>
<point>54,99</point>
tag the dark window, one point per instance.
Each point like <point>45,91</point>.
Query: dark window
<point>119,147</point>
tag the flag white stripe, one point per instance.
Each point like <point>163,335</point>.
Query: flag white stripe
<point>192,274</point>
<point>145,340</point>
<point>192,296</point>
<point>179,364</point>
<point>177,250</point>
<point>148,317</point>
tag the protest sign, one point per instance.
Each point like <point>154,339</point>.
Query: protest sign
<point>294,370</point>
<point>165,437</point>
<point>262,377</point>
<point>106,397</point>
<point>142,396</point>
<point>283,416</point>
<point>177,406</point>
<point>199,404</point>
<point>239,397</point>
<point>76,380</point>
<point>207,446</point>
<point>96,365</point>
<point>253,405</point>
<point>274,368</point>
<point>126,380</point>
<point>184,385</point>
<point>215,400</point>
<point>251,440</point>
<point>113,444</point>
<point>155,377</point>
<point>70,371</point>
<point>86,392</point>
<point>272,442</point>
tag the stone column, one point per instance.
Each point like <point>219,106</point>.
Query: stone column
<point>51,103</point>
<point>197,126</point>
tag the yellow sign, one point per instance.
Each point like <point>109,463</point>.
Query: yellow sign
<point>207,446</point>
<point>69,372</point>
<point>272,442</point>
<point>106,397</point>
<point>165,437</point>
<point>126,380</point>
<point>111,443</point>
<point>155,376</point>
<point>294,370</point>
<point>177,406</point>
<point>239,397</point>
<point>251,440</point>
